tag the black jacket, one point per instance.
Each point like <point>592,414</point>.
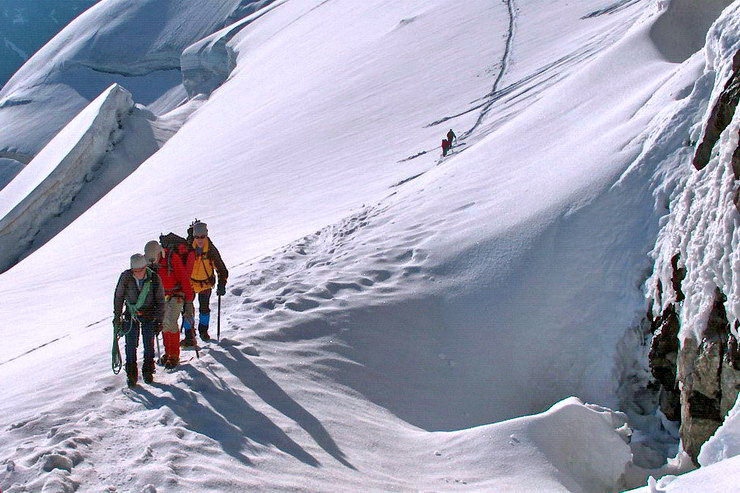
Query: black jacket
<point>128,290</point>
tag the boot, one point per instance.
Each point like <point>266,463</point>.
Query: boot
<point>172,362</point>
<point>132,374</point>
<point>148,371</point>
<point>203,329</point>
<point>189,340</point>
<point>171,347</point>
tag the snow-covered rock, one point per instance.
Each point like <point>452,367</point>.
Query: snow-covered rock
<point>696,281</point>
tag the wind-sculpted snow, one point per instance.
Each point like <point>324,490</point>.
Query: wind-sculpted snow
<point>725,443</point>
<point>49,186</point>
<point>681,29</point>
<point>703,227</point>
<point>208,63</point>
<point>135,43</point>
<point>722,477</point>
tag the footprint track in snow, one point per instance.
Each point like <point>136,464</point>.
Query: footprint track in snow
<point>326,270</point>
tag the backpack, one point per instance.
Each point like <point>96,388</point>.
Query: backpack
<point>190,231</point>
<point>175,245</point>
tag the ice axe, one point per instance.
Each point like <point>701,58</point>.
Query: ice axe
<point>218,320</point>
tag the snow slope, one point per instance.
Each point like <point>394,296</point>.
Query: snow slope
<point>387,310</point>
<point>725,443</point>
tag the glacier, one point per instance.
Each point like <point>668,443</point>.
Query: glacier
<point>394,320</point>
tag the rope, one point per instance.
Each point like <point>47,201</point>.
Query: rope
<point>118,332</point>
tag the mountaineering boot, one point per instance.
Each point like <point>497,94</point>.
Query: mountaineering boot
<point>132,374</point>
<point>204,320</point>
<point>148,371</point>
<point>189,340</point>
<point>172,362</point>
<point>171,349</point>
<point>187,325</point>
<point>203,330</point>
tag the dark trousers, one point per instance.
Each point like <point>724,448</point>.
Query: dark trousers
<point>132,341</point>
<point>204,301</point>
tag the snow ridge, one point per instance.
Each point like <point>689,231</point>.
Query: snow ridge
<point>86,57</point>
<point>95,152</point>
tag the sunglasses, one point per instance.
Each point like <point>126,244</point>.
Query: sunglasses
<point>202,237</point>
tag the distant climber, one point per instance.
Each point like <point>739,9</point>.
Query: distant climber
<point>173,261</point>
<point>139,291</point>
<point>207,264</point>
<point>450,136</point>
<point>445,147</point>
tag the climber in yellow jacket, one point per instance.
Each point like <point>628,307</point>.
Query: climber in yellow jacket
<point>208,265</point>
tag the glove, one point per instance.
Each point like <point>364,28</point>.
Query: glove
<point>221,289</point>
<point>157,328</point>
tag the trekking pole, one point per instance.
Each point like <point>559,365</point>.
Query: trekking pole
<point>159,353</point>
<point>218,320</point>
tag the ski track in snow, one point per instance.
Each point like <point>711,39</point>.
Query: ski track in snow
<point>485,107</point>
<point>499,77</point>
<point>504,65</point>
<point>34,349</point>
<point>523,89</point>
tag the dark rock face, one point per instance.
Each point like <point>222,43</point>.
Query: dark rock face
<point>663,358</point>
<point>720,118</point>
<point>679,274</point>
<point>701,373</point>
<point>699,381</point>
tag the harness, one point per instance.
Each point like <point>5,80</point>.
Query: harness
<point>134,310</point>
<point>210,279</point>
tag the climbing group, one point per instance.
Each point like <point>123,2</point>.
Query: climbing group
<point>447,142</point>
<point>160,286</point>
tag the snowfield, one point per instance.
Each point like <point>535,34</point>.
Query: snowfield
<point>394,320</point>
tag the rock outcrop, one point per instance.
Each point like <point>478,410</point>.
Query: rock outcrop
<point>699,380</point>
<point>694,354</point>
